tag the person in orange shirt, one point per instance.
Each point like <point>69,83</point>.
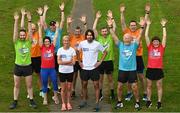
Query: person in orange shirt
<point>135,32</point>
<point>35,50</point>
<point>75,38</point>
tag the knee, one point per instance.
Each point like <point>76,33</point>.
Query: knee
<point>134,87</point>
<point>16,85</point>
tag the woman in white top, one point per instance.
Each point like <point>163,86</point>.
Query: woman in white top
<point>66,60</point>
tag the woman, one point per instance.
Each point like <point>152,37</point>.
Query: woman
<point>66,60</point>
<point>155,62</point>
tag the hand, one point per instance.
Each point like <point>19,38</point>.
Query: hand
<point>16,16</point>
<point>122,8</point>
<point>23,11</point>
<point>97,64</point>
<point>148,21</point>
<point>81,65</point>
<point>40,11</point>
<point>147,7</point>
<point>46,8</point>
<point>109,14</point>
<point>142,21</point>
<point>98,14</point>
<point>163,21</point>
<point>69,20</point>
<point>109,22</point>
<point>57,24</point>
<point>61,7</point>
<point>83,19</point>
<point>29,16</point>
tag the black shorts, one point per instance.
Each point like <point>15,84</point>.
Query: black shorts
<point>140,64</point>
<point>106,67</point>
<point>22,70</point>
<point>127,76</point>
<point>56,63</point>
<point>36,64</point>
<point>154,73</point>
<point>66,77</point>
<point>77,67</point>
<point>90,74</point>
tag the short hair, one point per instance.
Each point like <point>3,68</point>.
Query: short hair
<point>77,27</point>
<point>105,27</point>
<point>46,37</point>
<point>155,38</point>
<point>133,21</point>
<point>91,31</point>
<point>52,23</point>
<point>22,30</point>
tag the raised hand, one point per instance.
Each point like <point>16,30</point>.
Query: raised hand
<point>98,14</point>
<point>40,11</point>
<point>69,20</point>
<point>122,8</point>
<point>46,7</point>
<point>163,21</point>
<point>83,19</point>
<point>142,21</point>
<point>61,7</point>
<point>16,16</point>
<point>29,16</point>
<point>23,11</point>
<point>109,14</point>
<point>57,24</point>
<point>147,7</point>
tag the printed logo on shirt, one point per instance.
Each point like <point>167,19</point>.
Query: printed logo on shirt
<point>63,56</point>
<point>127,53</point>
<point>23,50</point>
<point>155,53</point>
<point>85,49</point>
<point>34,42</point>
<point>106,46</point>
<point>48,54</point>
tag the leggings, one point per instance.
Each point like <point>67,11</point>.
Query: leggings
<point>45,74</point>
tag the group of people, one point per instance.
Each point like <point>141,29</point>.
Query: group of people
<point>89,54</point>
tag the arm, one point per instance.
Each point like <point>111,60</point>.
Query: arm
<point>83,20</point>
<point>29,26</point>
<point>123,23</point>
<point>142,24</point>
<point>15,34</point>
<point>110,16</point>
<point>163,23</point>
<point>62,16</point>
<point>40,13</point>
<point>69,22</point>
<point>114,36</point>
<point>148,22</point>
<point>56,34</point>
<point>23,13</point>
<point>44,17</point>
<point>98,15</point>
<point>147,10</point>
<point>40,33</point>
<point>60,62</point>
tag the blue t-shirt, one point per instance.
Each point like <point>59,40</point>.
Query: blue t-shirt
<point>51,34</point>
<point>127,57</point>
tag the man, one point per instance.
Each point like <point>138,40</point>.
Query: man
<point>127,63</point>
<point>107,65</point>
<point>50,32</point>
<point>135,32</point>
<point>89,65</point>
<point>35,51</point>
<point>22,61</point>
<point>75,38</point>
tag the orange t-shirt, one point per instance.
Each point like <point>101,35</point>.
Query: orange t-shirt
<point>136,33</point>
<point>35,49</point>
<point>74,42</point>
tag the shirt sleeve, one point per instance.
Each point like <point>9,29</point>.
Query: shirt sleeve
<point>80,46</point>
<point>58,52</point>
<point>74,52</point>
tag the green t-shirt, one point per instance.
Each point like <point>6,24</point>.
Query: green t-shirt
<point>22,49</point>
<point>108,44</point>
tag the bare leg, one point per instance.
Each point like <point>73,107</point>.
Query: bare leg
<point>134,87</point>
<point>28,80</point>
<point>96,87</point>
<point>16,86</point>
<point>149,89</point>
<point>159,89</point>
<point>119,91</point>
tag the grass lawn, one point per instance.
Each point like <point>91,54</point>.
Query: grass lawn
<point>168,9</point>
<point>7,8</point>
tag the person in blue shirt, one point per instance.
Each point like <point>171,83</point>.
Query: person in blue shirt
<point>127,62</point>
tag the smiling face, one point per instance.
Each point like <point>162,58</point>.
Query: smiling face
<point>33,27</point>
<point>47,42</point>
<point>127,38</point>
<point>77,32</point>
<point>155,43</point>
<point>22,35</point>
<point>66,41</point>
<point>133,26</point>
<point>89,37</point>
<point>104,32</point>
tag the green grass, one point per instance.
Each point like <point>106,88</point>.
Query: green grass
<point>7,8</point>
<point>168,9</point>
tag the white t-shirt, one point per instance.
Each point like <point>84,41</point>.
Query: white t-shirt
<point>90,53</point>
<point>66,55</point>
